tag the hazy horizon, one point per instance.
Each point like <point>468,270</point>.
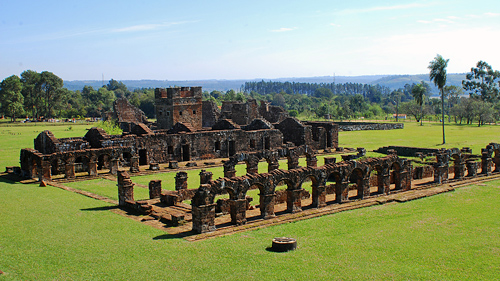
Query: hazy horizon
<point>228,40</point>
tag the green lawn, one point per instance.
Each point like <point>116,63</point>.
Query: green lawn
<point>428,135</point>
<point>49,233</point>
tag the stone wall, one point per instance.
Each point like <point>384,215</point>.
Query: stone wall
<point>407,151</point>
<point>362,126</point>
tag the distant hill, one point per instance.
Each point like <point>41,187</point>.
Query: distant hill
<point>391,81</point>
<point>398,81</point>
<point>219,85</point>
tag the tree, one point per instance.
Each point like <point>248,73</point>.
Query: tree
<point>483,82</point>
<point>32,92</point>
<point>396,97</point>
<point>418,91</point>
<point>10,96</point>
<point>453,94</point>
<point>51,86</point>
<point>437,74</point>
<point>483,111</point>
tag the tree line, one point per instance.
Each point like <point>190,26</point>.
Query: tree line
<point>42,95</point>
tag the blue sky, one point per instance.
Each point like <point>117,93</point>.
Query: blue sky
<point>189,40</point>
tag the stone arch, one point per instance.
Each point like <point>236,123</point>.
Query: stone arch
<point>395,175</point>
<point>357,178</point>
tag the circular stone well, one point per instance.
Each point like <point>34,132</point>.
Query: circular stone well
<point>284,244</point>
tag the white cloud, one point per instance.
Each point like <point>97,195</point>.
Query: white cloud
<point>284,29</point>
<point>335,25</point>
<point>492,14</point>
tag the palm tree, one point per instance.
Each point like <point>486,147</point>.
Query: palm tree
<point>438,76</point>
<point>418,92</point>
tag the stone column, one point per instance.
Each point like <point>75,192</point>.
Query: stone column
<point>486,161</point>
<point>384,181</point>
<point>340,195</point>
<point>471,168</point>
<point>267,206</point>
<point>92,167</point>
<point>364,188</point>
<point>134,164</point>
<point>293,200</point>
<point>330,160</point>
<point>229,171</point>
<point>181,181</point>
<point>125,188</point>
<point>253,167</point>
<point>440,173</point>
<point>46,170</point>
<point>293,162</point>
<point>459,169</point>
<point>114,166</point>
<point>69,170</point>
<point>203,218</point>
<point>312,161</point>
<point>319,196</point>
<point>272,165</point>
<point>154,189</point>
<point>406,177</point>
<point>238,209</point>
<point>205,177</point>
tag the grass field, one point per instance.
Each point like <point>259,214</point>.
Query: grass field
<point>49,233</point>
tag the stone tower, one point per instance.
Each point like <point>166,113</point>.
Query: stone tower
<point>180,104</point>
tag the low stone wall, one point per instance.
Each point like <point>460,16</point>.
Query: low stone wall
<point>407,150</point>
<point>363,126</point>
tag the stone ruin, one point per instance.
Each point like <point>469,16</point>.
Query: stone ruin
<point>126,115</point>
<point>178,136</point>
<point>331,178</point>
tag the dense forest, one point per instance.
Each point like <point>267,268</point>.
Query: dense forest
<point>42,96</point>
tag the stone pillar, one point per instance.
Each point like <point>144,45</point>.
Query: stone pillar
<point>440,173</point>
<point>205,177</point>
<point>340,195</point>
<point>471,168</point>
<point>134,164</point>
<point>181,181</point>
<point>253,167</point>
<point>312,161</point>
<point>203,218</point>
<point>125,188</point>
<point>229,171</point>
<point>273,165</point>
<point>46,170</point>
<point>319,196</point>
<point>406,177</point>
<point>364,188</point>
<point>330,160</point>
<point>114,166</point>
<point>69,170</point>
<point>267,206</point>
<point>486,161</point>
<point>384,181</point>
<point>154,189</point>
<point>238,209</point>
<point>92,167</point>
<point>293,200</point>
<point>293,162</point>
<point>459,169</point>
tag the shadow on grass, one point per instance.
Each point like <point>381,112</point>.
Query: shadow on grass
<point>175,236</point>
<point>10,178</point>
<point>103,208</point>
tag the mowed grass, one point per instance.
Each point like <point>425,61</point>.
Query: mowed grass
<point>49,233</point>
<point>429,135</point>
